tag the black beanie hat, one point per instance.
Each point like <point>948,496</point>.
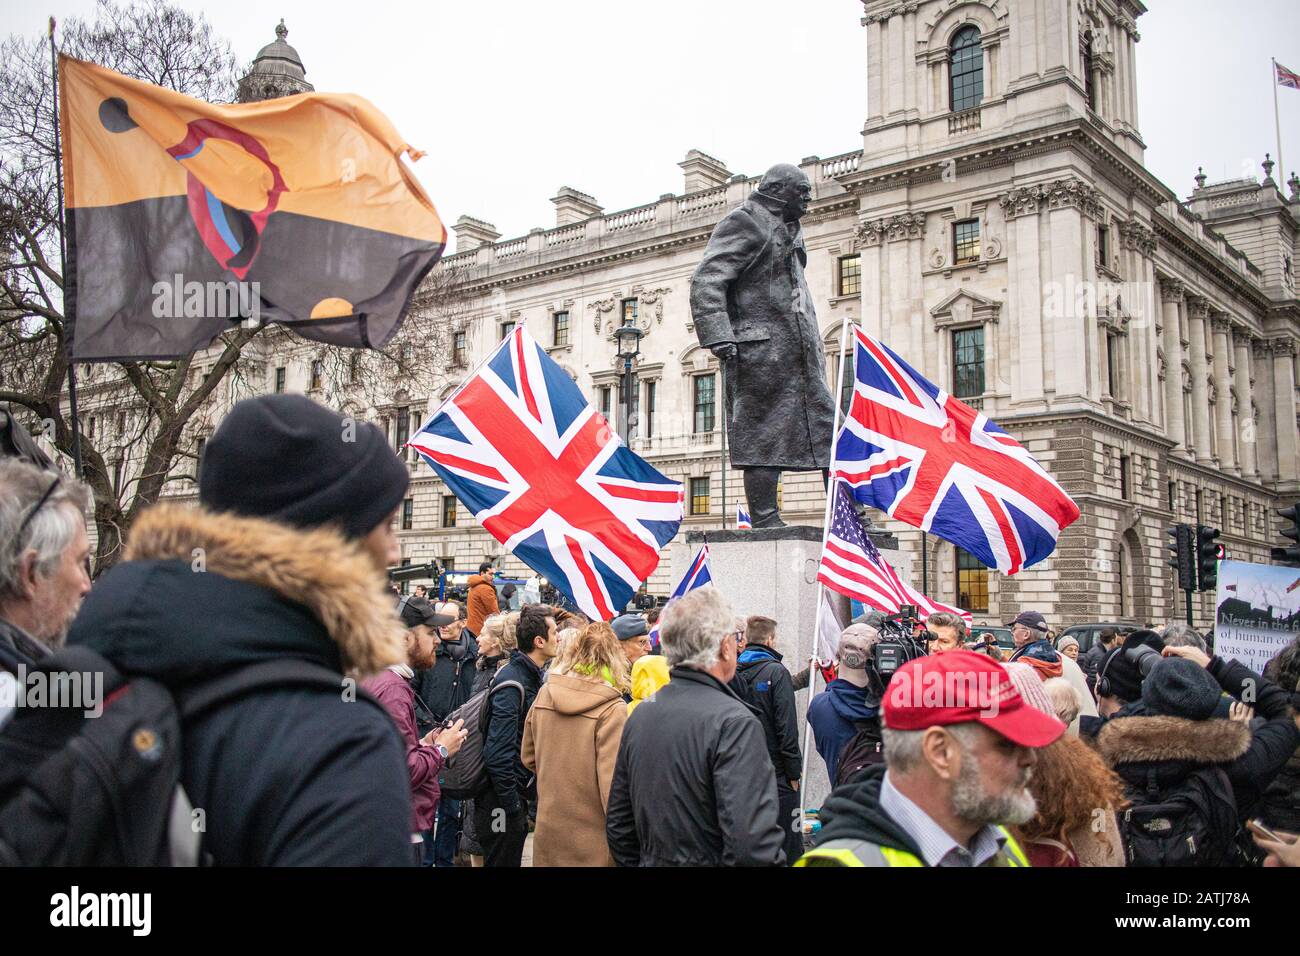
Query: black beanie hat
<point>286,458</point>
<point>1122,674</point>
<point>1177,687</point>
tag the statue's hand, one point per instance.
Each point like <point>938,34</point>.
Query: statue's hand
<point>725,351</point>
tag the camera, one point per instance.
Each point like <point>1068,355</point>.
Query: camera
<point>899,642</point>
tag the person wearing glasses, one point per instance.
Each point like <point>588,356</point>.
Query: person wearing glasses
<point>44,560</point>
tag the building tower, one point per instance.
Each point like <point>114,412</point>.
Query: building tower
<point>277,71</point>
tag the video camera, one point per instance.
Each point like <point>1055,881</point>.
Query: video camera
<point>903,638</point>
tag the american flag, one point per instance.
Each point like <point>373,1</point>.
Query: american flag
<point>698,574</point>
<point>853,565</point>
<point>545,475</point>
<point>928,460</point>
<point>1286,77</point>
<point>742,519</point>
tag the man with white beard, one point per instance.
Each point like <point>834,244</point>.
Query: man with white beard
<point>960,746</point>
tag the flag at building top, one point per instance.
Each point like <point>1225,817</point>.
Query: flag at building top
<point>698,574</point>
<point>931,461</point>
<point>852,565</point>
<point>742,519</point>
<point>1286,77</point>
<point>541,470</point>
<point>186,217</point>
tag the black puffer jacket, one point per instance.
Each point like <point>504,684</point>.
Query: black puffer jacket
<point>1138,744</point>
<point>510,778</point>
<point>763,682</point>
<point>287,776</point>
<point>693,785</point>
<point>449,682</point>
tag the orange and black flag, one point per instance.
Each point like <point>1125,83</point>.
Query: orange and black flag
<point>297,210</point>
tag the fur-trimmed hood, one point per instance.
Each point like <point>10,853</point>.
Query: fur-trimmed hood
<point>201,592</point>
<point>1131,740</point>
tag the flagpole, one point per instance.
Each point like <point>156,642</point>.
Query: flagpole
<point>63,259</point>
<point>826,524</point>
<point>1277,127</point>
<point>722,380</point>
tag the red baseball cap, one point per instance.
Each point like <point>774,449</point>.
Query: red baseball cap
<point>962,687</point>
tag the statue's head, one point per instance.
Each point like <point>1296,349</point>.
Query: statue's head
<point>789,186</point>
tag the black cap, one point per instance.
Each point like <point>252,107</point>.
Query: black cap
<point>1030,619</point>
<point>418,610</point>
<point>286,458</point>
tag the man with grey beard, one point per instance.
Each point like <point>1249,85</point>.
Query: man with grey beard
<point>44,560</point>
<point>960,746</point>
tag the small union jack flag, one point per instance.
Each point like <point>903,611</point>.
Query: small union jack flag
<point>928,460</point>
<point>697,575</point>
<point>742,519</point>
<point>544,474</point>
<point>1286,77</point>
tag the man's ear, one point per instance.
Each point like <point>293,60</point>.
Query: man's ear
<point>940,750</point>
<point>26,576</point>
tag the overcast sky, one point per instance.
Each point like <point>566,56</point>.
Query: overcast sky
<point>514,98</point>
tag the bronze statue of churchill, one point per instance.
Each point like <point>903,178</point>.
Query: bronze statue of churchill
<point>752,309</point>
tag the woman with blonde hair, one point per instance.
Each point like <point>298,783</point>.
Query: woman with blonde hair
<point>571,738</point>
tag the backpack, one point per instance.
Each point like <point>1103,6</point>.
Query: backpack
<point>104,789</point>
<point>1190,823</point>
<point>465,775</point>
<point>860,751</point>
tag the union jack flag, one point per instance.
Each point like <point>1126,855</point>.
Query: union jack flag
<point>544,474</point>
<point>928,460</point>
<point>1286,77</point>
<point>742,519</point>
<point>853,565</point>
<point>697,575</point>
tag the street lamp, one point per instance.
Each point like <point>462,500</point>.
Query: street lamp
<point>629,347</point>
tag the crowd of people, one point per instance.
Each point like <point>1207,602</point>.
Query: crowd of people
<point>387,729</point>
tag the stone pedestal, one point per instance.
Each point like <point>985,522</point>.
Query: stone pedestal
<point>774,573</point>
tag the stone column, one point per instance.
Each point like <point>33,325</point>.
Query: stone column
<point>1246,406</point>
<point>1288,440</point>
<point>1198,310</point>
<point>1171,293</point>
<point>1223,389</point>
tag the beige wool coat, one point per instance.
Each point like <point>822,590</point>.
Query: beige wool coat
<point>570,742</point>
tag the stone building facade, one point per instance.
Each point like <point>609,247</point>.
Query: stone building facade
<point>999,230</point>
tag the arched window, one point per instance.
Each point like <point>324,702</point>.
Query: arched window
<point>967,83</point>
<point>1089,90</point>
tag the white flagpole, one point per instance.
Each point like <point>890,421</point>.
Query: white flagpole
<point>813,658</point>
<point>1277,126</point>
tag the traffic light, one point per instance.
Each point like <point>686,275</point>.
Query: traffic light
<point>1207,558</point>
<point>1182,555</point>
<point>1290,554</point>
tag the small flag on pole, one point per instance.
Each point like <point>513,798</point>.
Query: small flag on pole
<point>852,565</point>
<point>742,519</point>
<point>697,576</point>
<point>1285,77</point>
<point>542,472</point>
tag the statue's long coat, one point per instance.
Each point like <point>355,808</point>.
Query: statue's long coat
<point>750,290</point>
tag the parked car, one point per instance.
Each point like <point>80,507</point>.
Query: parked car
<point>1086,634</point>
<point>1006,643</point>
